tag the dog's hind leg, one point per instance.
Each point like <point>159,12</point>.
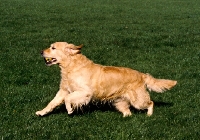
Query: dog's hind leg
<point>58,99</point>
<point>142,101</point>
<point>76,99</point>
<point>122,105</point>
<point>150,108</point>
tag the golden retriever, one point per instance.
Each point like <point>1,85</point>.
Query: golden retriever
<point>83,81</point>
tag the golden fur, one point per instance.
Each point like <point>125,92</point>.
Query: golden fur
<point>83,81</point>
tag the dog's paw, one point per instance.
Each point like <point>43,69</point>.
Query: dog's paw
<point>70,112</point>
<point>127,114</point>
<point>40,113</point>
<point>149,114</point>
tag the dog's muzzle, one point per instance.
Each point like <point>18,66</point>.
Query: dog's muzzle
<point>48,60</point>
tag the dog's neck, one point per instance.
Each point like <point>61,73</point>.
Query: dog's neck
<point>75,62</point>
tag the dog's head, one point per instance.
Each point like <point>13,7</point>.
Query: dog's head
<point>59,52</point>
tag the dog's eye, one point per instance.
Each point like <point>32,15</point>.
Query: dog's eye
<point>53,48</point>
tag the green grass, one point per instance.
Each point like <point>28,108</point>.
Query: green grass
<point>161,37</point>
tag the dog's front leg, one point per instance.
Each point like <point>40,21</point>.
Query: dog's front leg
<point>58,99</point>
<point>77,99</point>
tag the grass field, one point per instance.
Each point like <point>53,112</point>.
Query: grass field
<point>161,37</point>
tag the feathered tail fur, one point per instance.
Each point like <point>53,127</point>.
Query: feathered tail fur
<point>158,85</point>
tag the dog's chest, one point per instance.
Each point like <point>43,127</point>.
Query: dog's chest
<point>75,83</point>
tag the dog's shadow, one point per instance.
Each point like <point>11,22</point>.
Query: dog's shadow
<point>103,107</point>
<point>162,104</point>
<point>91,107</point>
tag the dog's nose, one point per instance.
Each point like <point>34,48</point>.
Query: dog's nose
<point>41,52</point>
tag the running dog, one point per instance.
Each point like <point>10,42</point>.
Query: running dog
<point>82,81</point>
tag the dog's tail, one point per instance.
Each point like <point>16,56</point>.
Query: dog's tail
<point>158,85</point>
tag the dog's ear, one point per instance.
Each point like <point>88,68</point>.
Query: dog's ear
<point>72,49</point>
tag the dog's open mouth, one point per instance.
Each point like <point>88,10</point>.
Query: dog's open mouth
<point>49,60</point>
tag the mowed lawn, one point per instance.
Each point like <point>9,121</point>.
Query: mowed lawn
<point>160,37</point>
